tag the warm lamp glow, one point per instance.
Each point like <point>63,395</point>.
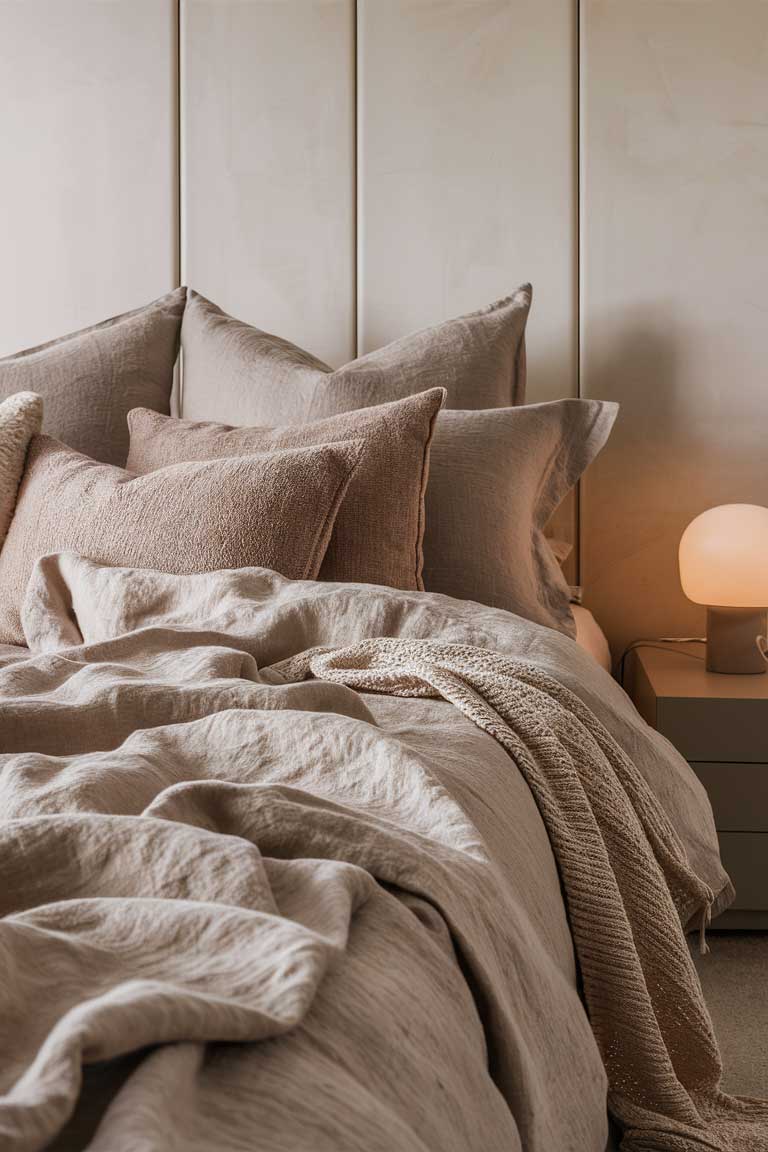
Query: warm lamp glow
<point>724,557</point>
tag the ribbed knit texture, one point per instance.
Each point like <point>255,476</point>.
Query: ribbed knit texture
<point>20,419</point>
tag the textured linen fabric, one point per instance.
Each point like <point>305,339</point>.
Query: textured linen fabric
<point>495,479</point>
<point>90,380</point>
<point>21,418</point>
<point>275,510</point>
<point>190,844</point>
<point>236,374</point>
<point>626,877</point>
<point>377,537</point>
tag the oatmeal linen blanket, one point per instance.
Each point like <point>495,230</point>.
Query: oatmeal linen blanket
<point>272,877</point>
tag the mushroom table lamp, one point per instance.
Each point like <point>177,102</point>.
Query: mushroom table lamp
<point>724,564</point>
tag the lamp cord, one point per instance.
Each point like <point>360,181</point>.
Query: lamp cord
<point>658,642</point>
<point>761,643</point>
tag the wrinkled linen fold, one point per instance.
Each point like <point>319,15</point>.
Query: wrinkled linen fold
<point>249,909</point>
<point>628,884</point>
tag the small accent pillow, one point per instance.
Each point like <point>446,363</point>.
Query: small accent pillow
<point>90,380</point>
<point>377,538</point>
<point>238,374</point>
<point>273,511</point>
<point>495,479</point>
<point>20,419</point>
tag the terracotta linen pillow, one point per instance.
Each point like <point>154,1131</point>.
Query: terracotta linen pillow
<point>237,374</point>
<point>495,479</point>
<point>273,511</point>
<point>377,537</point>
<point>90,380</point>
<point>20,419</point>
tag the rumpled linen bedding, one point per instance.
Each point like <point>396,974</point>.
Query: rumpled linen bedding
<point>248,909</point>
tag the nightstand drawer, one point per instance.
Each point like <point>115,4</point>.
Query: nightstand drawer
<point>738,794</point>
<point>745,859</point>
<point>720,725</point>
<point>716,730</point>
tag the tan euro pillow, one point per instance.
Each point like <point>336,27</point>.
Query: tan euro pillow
<point>90,380</point>
<point>377,537</point>
<point>21,417</point>
<point>237,374</point>
<point>495,479</point>
<point>275,510</point>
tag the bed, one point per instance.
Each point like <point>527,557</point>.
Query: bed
<point>294,861</point>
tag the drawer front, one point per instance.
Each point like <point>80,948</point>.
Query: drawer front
<point>720,730</point>
<point>745,859</point>
<point>738,794</point>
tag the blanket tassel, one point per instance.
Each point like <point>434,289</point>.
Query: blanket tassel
<point>706,917</point>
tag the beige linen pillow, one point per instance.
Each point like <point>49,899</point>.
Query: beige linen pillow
<point>20,419</point>
<point>90,380</point>
<point>273,511</point>
<point>495,479</point>
<point>377,537</point>
<point>239,375</point>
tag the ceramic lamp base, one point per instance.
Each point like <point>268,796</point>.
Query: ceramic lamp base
<point>731,643</point>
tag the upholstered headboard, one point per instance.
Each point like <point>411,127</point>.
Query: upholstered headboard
<point>344,172</point>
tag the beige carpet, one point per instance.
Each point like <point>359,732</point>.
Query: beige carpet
<point>734,977</point>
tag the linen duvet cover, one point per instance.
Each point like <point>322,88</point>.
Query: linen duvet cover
<point>278,873</point>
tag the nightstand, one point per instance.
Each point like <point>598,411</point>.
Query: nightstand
<point>719,724</point>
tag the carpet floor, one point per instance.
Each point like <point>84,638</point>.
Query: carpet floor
<point>734,977</point>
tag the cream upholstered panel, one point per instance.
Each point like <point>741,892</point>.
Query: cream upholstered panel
<point>675,318</point>
<point>89,219</point>
<point>467,170</point>
<point>268,165</point>
<point>466,185</point>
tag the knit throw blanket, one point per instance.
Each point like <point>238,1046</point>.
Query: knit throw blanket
<point>627,883</point>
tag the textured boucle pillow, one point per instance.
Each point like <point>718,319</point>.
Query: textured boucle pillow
<point>495,479</point>
<point>275,510</point>
<point>377,537</point>
<point>240,375</point>
<point>21,417</point>
<point>89,380</point>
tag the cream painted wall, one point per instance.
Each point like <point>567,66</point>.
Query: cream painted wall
<point>673,302</point>
<point>268,174</point>
<point>88,192</point>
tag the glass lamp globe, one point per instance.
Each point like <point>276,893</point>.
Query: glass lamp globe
<point>724,564</point>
